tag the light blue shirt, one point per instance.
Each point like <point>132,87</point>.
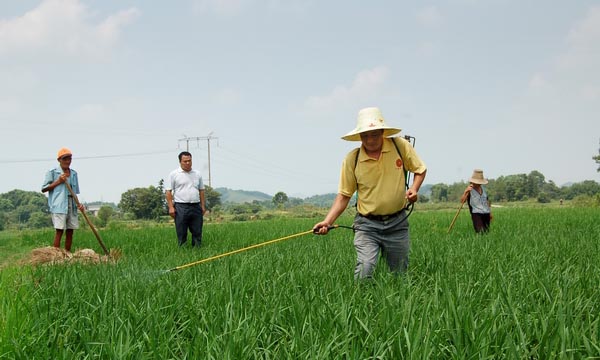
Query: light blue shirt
<point>58,198</point>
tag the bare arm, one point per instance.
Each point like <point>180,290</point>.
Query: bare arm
<point>61,179</point>
<point>465,195</point>
<point>412,193</point>
<point>337,208</point>
<point>203,201</point>
<point>169,197</point>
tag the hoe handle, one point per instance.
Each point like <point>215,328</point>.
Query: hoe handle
<point>456,216</point>
<point>86,218</point>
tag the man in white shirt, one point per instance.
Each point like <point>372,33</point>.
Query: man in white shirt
<point>186,200</point>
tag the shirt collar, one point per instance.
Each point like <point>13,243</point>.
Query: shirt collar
<point>386,147</point>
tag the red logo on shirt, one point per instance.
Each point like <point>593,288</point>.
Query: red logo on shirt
<point>399,163</point>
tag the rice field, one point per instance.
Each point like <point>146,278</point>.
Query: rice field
<point>527,290</point>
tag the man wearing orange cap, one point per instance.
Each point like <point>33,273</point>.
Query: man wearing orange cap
<point>376,172</point>
<point>62,205</point>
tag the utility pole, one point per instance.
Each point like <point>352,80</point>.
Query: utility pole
<point>208,138</point>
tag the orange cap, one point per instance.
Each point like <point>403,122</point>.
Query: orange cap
<point>63,152</point>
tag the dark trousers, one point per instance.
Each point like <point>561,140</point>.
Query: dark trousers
<point>188,216</point>
<point>481,222</point>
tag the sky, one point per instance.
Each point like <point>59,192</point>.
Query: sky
<point>264,89</point>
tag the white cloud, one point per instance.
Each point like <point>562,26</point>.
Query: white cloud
<point>584,43</point>
<point>366,85</point>
<point>587,31</point>
<point>429,16</point>
<point>575,71</point>
<point>64,27</point>
<point>109,30</point>
<point>562,99</point>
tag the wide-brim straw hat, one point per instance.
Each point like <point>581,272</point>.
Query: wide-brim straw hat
<point>370,119</point>
<point>477,177</point>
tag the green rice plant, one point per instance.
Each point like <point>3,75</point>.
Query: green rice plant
<point>528,289</point>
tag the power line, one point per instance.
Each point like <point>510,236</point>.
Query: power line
<point>88,157</point>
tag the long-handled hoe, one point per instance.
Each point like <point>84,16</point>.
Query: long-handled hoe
<point>87,219</point>
<point>456,216</point>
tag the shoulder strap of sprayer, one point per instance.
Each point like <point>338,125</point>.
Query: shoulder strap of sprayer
<point>408,138</point>
<point>406,175</point>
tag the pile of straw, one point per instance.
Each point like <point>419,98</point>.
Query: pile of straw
<point>52,255</point>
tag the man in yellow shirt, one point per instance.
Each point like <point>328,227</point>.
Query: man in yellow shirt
<point>376,171</point>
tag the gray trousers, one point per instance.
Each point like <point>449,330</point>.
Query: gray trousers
<point>390,237</point>
<point>188,216</point>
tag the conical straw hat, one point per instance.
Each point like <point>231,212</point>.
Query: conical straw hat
<point>477,177</point>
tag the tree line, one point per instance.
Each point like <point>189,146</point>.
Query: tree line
<point>21,209</point>
<point>519,187</point>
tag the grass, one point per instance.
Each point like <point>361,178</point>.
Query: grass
<point>528,289</point>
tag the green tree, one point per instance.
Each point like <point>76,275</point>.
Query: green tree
<point>3,220</point>
<point>104,214</point>
<point>6,205</point>
<point>143,203</point>
<point>20,198</point>
<point>543,198</point>
<point>280,199</point>
<point>535,183</point>
<point>511,188</point>
<point>17,206</point>
<point>439,192</point>
<point>587,187</point>
<point>455,191</point>
<point>39,220</point>
<point>23,213</point>
<point>212,197</point>
<point>245,208</point>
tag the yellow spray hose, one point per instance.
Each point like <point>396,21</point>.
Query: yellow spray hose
<point>244,249</point>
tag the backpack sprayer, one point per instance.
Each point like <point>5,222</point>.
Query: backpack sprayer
<point>410,206</point>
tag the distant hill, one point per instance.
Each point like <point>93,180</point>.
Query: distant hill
<point>242,196</point>
<point>323,200</point>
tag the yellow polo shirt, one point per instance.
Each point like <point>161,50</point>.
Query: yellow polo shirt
<point>381,189</point>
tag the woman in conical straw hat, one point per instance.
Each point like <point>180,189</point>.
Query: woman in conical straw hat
<point>479,203</point>
<point>375,171</point>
